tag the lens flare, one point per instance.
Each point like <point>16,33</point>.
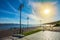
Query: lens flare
<point>46,11</point>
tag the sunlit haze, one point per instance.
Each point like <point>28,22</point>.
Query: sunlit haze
<point>46,11</point>
<point>36,10</point>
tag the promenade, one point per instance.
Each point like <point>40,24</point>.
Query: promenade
<point>41,35</point>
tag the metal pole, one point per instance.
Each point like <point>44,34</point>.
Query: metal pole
<point>40,23</point>
<point>20,21</point>
<point>20,8</point>
<point>27,22</point>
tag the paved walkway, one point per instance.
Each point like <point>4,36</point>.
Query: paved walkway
<point>43,35</point>
<point>35,36</point>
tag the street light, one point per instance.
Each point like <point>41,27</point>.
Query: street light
<point>19,35</point>
<point>20,8</point>
<point>40,23</point>
<point>27,22</point>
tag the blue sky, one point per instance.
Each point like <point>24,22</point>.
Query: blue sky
<point>9,11</point>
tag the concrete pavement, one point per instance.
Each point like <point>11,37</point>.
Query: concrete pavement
<point>43,35</point>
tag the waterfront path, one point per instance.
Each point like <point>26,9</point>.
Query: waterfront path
<point>43,35</point>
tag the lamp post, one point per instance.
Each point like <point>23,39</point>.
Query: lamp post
<point>27,22</point>
<point>40,23</point>
<point>20,8</point>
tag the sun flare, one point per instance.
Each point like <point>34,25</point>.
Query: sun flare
<point>46,11</point>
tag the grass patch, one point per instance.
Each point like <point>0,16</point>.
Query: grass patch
<point>31,32</point>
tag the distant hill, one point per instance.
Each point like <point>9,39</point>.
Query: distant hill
<point>56,22</point>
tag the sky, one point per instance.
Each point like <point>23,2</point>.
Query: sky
<point>33,9</point>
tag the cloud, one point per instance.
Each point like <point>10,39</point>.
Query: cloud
<point>5,11</point>
<point>9,20</point>
<point>33,17</point>
<point>20,1</point>
<point>35,8</point>
<point>54,3</point>
<point>12,7</point>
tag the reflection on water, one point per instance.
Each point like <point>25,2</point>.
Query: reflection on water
<point>50,35</point>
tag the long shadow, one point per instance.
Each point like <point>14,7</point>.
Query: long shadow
<point>52,30</point>
<point>55,30</point>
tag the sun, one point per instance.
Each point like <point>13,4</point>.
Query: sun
<point>46,11</point>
